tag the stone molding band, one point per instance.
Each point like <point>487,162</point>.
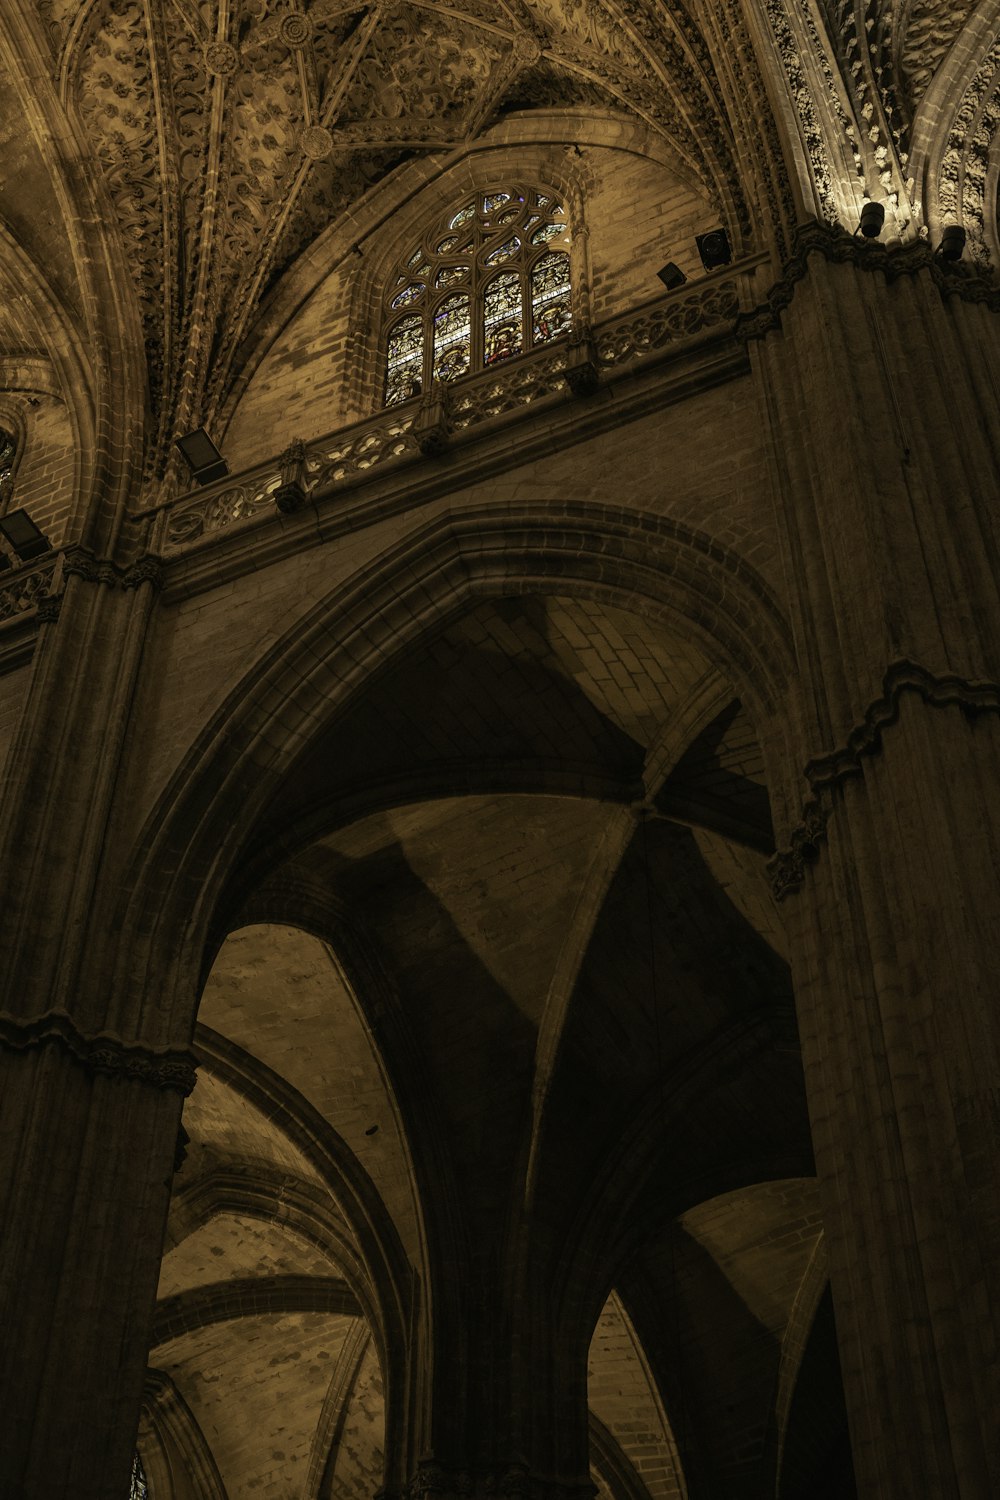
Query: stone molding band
<point>836,245</point>
<point>826,772</point>
<point>165,1068</point>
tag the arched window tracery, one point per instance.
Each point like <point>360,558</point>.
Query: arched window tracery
<point>488,282</point>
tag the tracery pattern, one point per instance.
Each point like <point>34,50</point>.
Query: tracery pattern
<point>487,283</point>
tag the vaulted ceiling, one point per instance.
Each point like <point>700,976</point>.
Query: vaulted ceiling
<point>230,135</point>
<point>222,139</point>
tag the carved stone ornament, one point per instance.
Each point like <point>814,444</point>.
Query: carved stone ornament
<point>290,494</point>
<point>787,868</point>
<point>432,427</point>
<point>25,593</point>
<point>221,60</point>
<point>582,373</point>
<point>527,49</point>
<point>81,563</point>
<point>316,142</point>
<point>295,29</point>
<point>161,1068</point>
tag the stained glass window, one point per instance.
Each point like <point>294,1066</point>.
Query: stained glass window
<point>408,294</point>
<point>550,307</point>
<point>140,1487</point>
<point>405,362</point>
<point>506,251</point>
<point>502,321</point>
<point>452,339</point>
<point>488,282</point>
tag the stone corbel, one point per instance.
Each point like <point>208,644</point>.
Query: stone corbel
<point>290,495</point>
<point>432,427</point>
<point>582,373</point>
<point>787,868</point>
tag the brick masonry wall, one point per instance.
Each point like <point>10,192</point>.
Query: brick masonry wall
<point>43,483</point>
<point>358,1464</point>
<point>621,1394</point>
<point>639,216</point>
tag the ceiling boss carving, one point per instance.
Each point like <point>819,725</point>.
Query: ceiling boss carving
<point>230,133</point>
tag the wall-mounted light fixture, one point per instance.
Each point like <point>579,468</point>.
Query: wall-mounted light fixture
<point>952,242</point>
<point>23,536</point>
<point>202,456</point>
<point>871,221</point>
<point>714,248</point>
<point>672,276</point>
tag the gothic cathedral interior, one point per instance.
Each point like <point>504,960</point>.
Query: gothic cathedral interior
<point>500,732</point>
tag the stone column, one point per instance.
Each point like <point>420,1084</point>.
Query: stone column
<point>88,1131</point>
<point>89,1106</point>
<point>879,388</point>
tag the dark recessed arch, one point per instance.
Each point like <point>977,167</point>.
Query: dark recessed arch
<point>205,821</point>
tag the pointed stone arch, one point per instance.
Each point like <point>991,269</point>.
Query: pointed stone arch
<point>204,821</point>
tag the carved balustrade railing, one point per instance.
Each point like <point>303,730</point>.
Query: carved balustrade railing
<point>447,417</point>
<point>24,589</point>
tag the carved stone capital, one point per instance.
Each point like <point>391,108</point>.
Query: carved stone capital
<point>161,1068</point>
<point>81,563</point>
<point>841,248</point>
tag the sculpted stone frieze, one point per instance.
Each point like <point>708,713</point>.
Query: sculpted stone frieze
<point>929,31</point>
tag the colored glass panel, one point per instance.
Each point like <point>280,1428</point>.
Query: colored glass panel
<point>548,232</point>
<point>502,321</point>
<point>499,263</point>
<point>504,252</point>
<point>412,293</point>
<point>405,361</point>
<point>550,292</point>
<point>452,338</point>
<point>449,274</point>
